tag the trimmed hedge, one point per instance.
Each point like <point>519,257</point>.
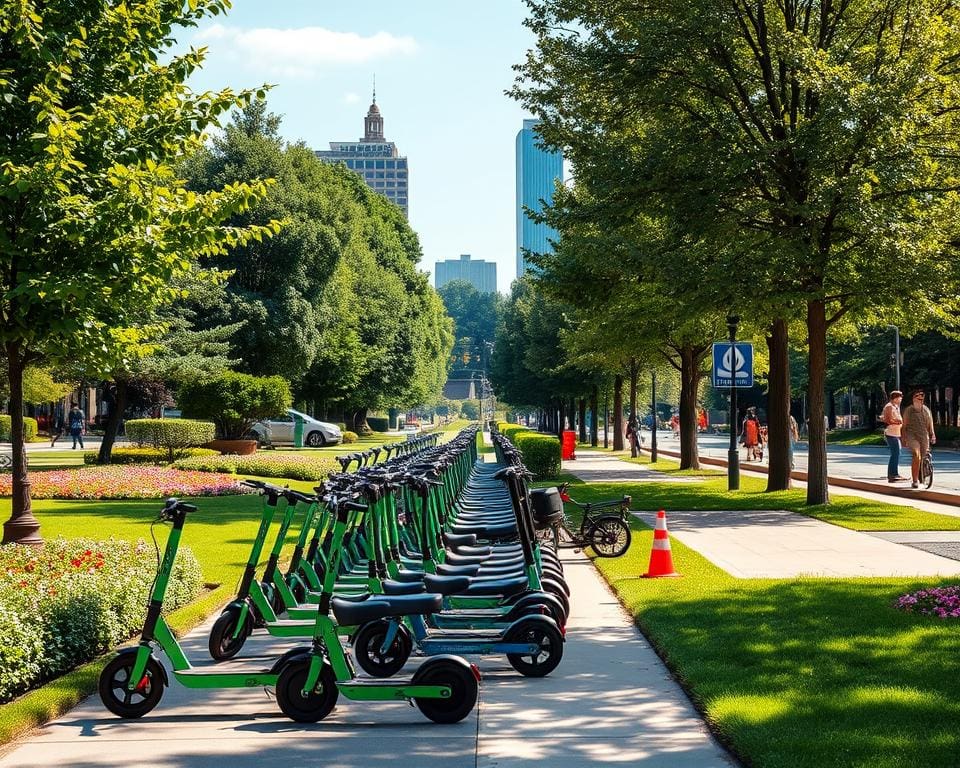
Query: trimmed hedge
<point>378,423</point>
<point>173,435</point>
<point>510,431</point>
<point>235,401</point>
<point>350,437</point>
<point>30,428</point>
<point>541,453</point>
<point>292,466</point>
<point>147,455</point>
<point>63,604</point>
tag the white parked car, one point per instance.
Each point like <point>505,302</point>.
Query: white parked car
<point>279,431</point>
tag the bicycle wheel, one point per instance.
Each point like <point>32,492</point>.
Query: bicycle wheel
<point>609,537</point>
<point>926,470</point>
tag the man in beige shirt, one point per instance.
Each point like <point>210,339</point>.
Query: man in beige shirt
<point>917,431</point>
<point>891,417</point>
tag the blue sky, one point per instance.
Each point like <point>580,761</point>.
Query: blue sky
<point>441,70</point>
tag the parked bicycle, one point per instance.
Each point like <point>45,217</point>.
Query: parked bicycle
<point>603,524</point>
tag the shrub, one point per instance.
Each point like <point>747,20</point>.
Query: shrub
<point>292,466</point>
<point>170,434</point>
<point>378,424</point>
<point>510,431</point>
<point>350,437</point>
<point>29,428</point>
<point>541,454</point>
<point>62,604</point>
<point>235,401</point>
<point>120,482</point>
<point>146,455</point>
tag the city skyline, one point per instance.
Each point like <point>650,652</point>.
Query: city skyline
<point>442,91</point>
<point>537,172</point>
<point>481,274</point>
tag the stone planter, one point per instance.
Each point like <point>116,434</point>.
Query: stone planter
<point>236,447</point>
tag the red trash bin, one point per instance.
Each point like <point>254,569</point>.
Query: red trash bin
<point>568,447</point>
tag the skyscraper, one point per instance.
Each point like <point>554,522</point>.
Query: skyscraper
<point>481,274</point>
<point>536,171</point>
<point>374,158</point>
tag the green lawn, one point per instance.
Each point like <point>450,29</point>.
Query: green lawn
<point>856,437</point>
<point>803,672</point>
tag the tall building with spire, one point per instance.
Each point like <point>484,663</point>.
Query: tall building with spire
<point>374,158</point>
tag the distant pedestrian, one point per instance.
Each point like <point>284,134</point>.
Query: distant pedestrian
<point>633,435</point>
<point>894,421</point>
<point>917,432</point>
<point>56,428</point>
<point>750,434</point>
<point>675,425</point>
<point>76,421</point>
<point>794,437</point>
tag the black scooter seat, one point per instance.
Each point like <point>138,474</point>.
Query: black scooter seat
<point>351,612</point>
<point>391,587</point>
<point>409,576</point>
<point>504,587</point>
<point>446,585</point>
<point>489,531</point>
<point>445,569</point>
<point>473,551</point>
<point>460,540</point>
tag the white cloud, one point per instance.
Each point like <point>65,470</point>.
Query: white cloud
<point>350,98</point>
<point>303,51</point>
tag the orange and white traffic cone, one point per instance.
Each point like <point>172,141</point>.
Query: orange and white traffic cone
<point>661,559</point>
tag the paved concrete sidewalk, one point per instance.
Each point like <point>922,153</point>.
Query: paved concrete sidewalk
<point>781,545</point>
<point>611,701</point>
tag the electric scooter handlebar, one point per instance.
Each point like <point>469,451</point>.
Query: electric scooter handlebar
<point>174,506</point>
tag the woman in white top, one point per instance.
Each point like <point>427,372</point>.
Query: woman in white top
<point>891,417</point>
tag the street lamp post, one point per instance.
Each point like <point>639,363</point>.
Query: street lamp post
<point>896,356</point>
<point>733,455</point>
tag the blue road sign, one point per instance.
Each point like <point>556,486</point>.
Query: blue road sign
<point>732,365</point>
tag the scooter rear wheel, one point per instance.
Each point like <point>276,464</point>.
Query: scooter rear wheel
<point>367,645</point>
<point>463,690</point>
<point>113,687</point>
<point>222,644</point>
<point>317,704</point>
<point>549,642</point>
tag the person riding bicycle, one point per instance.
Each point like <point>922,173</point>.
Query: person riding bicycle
<point>917,432</point>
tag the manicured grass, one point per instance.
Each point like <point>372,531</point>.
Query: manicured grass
<point>856,437</point>
<point>804,672</point>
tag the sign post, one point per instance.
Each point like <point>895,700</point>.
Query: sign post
<point>733,368</point>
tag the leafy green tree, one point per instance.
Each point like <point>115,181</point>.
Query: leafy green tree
<point>474,316</point>
<point>235,401</point>
<point>94,222</point>
<point>807,146</point>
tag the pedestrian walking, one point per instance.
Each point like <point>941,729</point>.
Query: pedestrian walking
<point>56,427</point>
<point>633,435</point>
<point>76,421</point>
<point>750,434</point>
<point>675,425</point>
<point>794,437</point>
<point>894,422</point>
<point>917,432</point>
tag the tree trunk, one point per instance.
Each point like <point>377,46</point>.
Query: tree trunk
<point>582,415</point>
<point>360,425</point>
<point>817,490</point>
<point>618,412</point>
<point>778,407</point>
<point>594,417</point>
<point>110,429</point>
<point>22,527</point>
<point>831,409</point>
<point>561,418</point>
<point>689,388</point>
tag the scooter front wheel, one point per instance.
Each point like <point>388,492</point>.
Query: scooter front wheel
<point>549,644</point>
<point>369,653</point>
<point>314,706</point>
<point>126,703</point>
<point>223,644</point>
<point>463,685</point>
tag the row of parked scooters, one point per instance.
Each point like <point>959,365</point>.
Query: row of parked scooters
<point>432,550</point>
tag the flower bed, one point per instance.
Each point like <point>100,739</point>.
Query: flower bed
<point>65,602</point>
<point>145,455</point>
<point>124,482</point>
<point>293,466</point>
<point>943,602</point>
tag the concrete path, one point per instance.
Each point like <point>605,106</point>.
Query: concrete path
<point>781,545</point>
<point>611,702</point>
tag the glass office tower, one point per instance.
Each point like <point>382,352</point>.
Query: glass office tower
<point>537,170</point>
<point>481,274</point>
